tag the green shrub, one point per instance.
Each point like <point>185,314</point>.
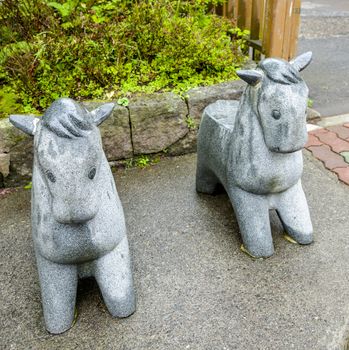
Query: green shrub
<point>109,48</point>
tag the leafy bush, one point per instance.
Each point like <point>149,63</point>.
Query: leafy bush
<point>109,48</point>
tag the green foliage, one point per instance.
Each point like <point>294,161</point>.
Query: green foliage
<point>66,9</point>
<point>102,48</point>
<point>310,103</point>
<point>142,161</point>
<point>8,103</point>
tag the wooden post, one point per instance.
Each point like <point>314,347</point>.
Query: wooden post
<point>257,18</point>
<point>274,27</point>
<point>244,14</point>
<point>295,23</point>
<point>281,28</point>
<point>287,29</point>
<point>229,9</point>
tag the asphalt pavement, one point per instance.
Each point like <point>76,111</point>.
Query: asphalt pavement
<point>325,31</point>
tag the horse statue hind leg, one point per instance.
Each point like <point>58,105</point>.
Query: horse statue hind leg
<point>254,151</point>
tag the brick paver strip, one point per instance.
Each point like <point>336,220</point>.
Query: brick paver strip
<point>313,141</point>
<point>331,159</point>
<point>330,138</point>
<point>339,145</point>
<point>343,174</point>
<point>340,130</point>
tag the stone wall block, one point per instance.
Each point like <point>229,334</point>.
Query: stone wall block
<point>158,121</point>
<point>199,98</point>
<point>9,136</point>
<point>185,145</point>
<point>4,164</point>
<point>21,166</point>
<point>115,132</point>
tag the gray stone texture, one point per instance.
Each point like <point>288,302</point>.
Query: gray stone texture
<point>195,289</point>
<point>115,132</point>
<point>158,121</point>
<point>78,224</point>
<point>9,136</point>
<point>199,98</point>
<point>185,145</point>
<point>19,148</point>
<point>253,148</point>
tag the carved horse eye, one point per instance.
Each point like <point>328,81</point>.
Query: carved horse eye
<point>92,173</point>
<point>276,114</point>
<point>50,176</point>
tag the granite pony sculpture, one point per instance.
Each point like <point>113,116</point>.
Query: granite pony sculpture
<point>253,148</point>
<point>78,223</point>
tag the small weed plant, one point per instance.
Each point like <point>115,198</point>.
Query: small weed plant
<point>142,161</point>
<point>190,122</point>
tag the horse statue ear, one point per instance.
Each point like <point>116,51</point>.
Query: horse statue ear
<point>302,61</point>
<point>25,123</point>
<point>101,113</point>
<point>251,77</point>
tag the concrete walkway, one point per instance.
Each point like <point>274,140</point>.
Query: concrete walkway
<point>195,288</point>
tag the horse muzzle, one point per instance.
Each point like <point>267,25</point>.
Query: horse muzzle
<point>74,215</point>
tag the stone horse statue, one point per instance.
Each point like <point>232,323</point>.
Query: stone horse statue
<point>253,148</point>
<point>78,223</point>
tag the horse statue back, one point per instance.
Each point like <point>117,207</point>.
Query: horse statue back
<point>253,148</point>
<point>78,223</point>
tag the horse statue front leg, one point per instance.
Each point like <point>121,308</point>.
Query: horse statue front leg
<point>58,284</point>
<point>252,213</point>
<point>114,277</point>
<point>292,208</point>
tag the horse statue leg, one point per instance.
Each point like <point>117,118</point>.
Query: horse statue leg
<point>206,180</point>
<point>293,211</point>
<point>58,284</point>
<point>252,213</point>
<point>114,277</point>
